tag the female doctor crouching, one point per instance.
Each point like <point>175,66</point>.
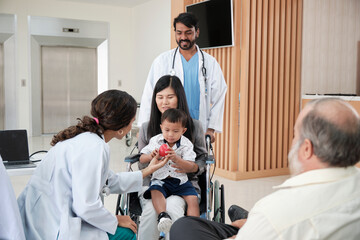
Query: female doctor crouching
<point>62,199</point>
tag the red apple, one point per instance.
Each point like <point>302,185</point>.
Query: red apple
<point>162,150</point>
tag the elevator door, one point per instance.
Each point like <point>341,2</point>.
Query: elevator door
<point>2,91</point>
<point>69,83</point>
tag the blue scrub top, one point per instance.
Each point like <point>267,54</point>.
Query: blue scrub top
<point>191,84</point>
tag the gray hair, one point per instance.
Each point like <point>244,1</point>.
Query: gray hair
<point>335,144</point>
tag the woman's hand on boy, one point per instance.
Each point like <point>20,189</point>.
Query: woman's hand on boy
<point>184,166</point>
<point>173,156</point>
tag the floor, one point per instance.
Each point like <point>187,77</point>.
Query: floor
<point>243,193</point>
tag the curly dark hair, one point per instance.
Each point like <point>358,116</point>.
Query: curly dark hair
<point>114,110</point>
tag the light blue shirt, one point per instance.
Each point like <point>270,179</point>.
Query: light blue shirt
<point>191,84</point>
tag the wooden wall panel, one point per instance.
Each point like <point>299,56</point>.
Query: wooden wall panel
<point>262,69</point>
<point>358,70</point>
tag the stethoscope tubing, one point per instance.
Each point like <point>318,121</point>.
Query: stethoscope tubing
<point>203,68</point>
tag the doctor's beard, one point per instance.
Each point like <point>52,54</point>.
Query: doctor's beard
<point>294,163</point>
<point>189,46</point>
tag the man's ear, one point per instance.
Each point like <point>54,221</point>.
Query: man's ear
<point>197,32</point>
<point>307,149</point>
<point>184,131</point>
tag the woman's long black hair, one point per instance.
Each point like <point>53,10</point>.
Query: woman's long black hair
<point>155,115</point>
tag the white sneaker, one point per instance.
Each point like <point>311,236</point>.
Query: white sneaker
<point>164,224</point>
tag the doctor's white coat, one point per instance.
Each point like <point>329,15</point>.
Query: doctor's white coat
<point>62,199</point>
<point>10,221</point>
<point>211,106</point>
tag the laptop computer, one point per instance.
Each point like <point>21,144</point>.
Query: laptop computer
<point>14,149</point>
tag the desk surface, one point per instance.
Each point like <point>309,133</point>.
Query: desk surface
<point>20,171</point>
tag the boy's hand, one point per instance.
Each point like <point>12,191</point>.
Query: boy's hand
<point>155,153</point>
<point>172,155</point>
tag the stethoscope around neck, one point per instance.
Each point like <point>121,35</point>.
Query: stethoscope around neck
<point>203,69</point>
<point>105,191</point>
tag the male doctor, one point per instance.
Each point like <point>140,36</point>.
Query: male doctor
<point>201,75</point>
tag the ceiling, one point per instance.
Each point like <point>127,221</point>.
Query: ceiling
<point>120,3</point>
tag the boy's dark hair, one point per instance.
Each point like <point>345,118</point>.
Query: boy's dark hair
<point>174,115</point>
<point>188,19</point>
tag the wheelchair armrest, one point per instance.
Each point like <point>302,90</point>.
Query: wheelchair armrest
<point>210,159</point>
<point>133,158</point>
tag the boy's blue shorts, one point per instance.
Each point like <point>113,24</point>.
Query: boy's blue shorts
<point>170,186</point>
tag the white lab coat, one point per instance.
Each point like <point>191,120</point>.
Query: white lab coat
<point>62,199</point>
<point>211,107</point>
<point>10,222</point>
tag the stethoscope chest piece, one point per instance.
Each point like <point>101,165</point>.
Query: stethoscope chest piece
<point>172,72</point>
<point>105,191</point>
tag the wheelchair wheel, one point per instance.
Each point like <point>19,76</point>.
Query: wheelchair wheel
<point>219,203</point>
<point>119,209</point>
<point>216,201</point>
<point>222,203</point>
<point>120,205</point>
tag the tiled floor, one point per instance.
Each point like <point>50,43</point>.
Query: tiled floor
<point>244,193</point>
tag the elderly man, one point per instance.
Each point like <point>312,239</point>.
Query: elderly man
<point>322,198</point>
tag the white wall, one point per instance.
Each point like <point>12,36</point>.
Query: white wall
<point>7,37</point>
<point>35,88</point>
<point>331,32</point>
<point>152,28</point>
<point>137,35</point>
<point>45,31</point>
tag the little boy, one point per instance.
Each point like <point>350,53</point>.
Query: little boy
<point>167,181</point>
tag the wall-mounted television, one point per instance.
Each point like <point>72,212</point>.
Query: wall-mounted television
<point>215,23</point>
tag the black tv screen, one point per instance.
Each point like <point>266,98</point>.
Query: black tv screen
<point>215,23</point>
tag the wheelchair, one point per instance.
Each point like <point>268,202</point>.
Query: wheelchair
<point>212,194</point>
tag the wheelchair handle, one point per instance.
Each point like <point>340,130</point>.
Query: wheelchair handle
<point>207,137</point>
<point>133,158</point>
<point>208,143</point>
